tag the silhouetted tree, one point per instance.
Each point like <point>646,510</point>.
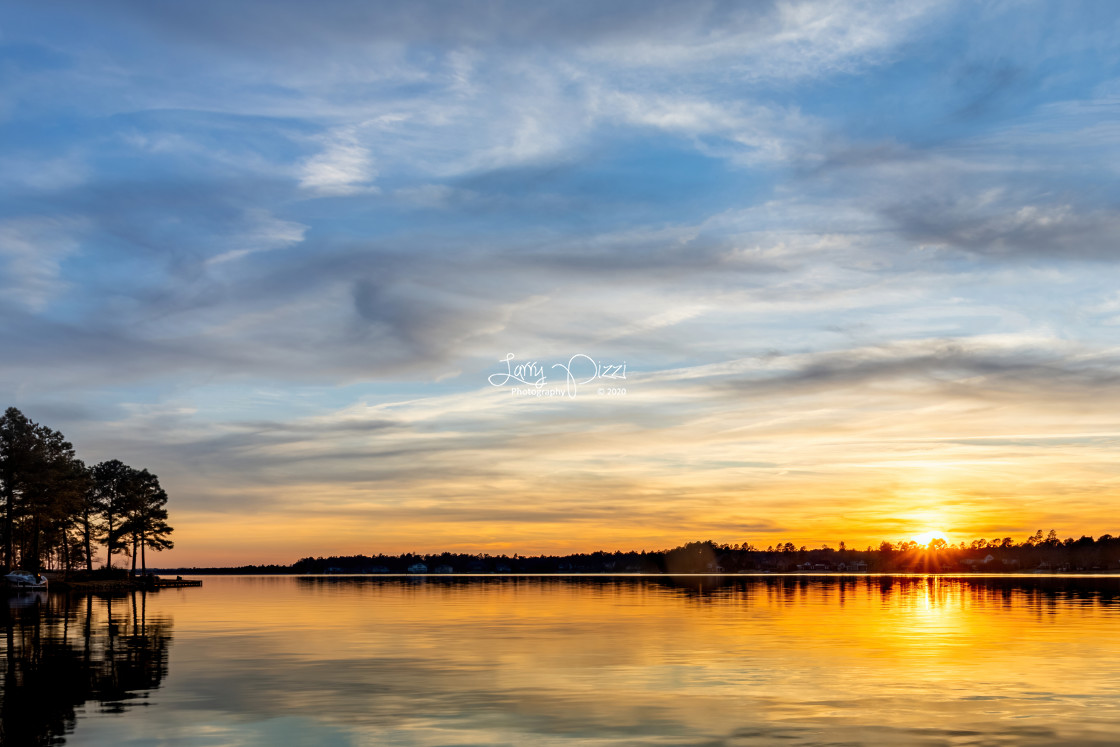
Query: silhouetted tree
<point>113,483</point>
<point>146,517</point>
<point>55,487</point>
<point>67,491</point>
<point>88,519</point>
<point>41,484</point>
<point>17,437</point>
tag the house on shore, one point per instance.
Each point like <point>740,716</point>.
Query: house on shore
<point>976,564</point>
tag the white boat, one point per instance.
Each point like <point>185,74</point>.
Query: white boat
<point>25,580</point>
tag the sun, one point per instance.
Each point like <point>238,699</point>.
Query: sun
<point>926,537</point>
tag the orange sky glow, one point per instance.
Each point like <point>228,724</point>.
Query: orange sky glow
<point>588,474</point>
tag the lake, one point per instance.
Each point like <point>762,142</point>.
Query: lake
<point>732,660</point>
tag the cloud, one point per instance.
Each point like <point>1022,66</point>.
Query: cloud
<point>264,232</point>
<point>344,167</point>
<point>45,173</point>
<point>1055,230</point>
<point>33,250</point>
<point>804,35</point>
<point>1037,370</point>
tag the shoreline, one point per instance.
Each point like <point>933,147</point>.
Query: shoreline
<point>126,585</point>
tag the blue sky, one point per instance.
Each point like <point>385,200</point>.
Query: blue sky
<point>859,258</point>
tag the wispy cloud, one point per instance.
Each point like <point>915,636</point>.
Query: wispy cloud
<point>33,250</point>
<point>263,233</point>
<point>344,167</point>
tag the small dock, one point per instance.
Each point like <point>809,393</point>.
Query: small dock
<point>173,583</point>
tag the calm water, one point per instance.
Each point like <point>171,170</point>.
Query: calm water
<point>591,661</point>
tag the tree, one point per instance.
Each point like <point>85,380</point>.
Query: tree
<point>54,520</point>
<point>146,521</point>
<point>55,486</point>
<point>17,434</point>
<point>41,482</point>
<point>88,519</point>
<point>112,484</point>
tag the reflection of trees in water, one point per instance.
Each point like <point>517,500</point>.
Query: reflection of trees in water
<point>1007,592</point>
<point>62,652</point>
<point>1020,590</point>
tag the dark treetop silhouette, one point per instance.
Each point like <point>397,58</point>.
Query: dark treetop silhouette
<point>54,509</point>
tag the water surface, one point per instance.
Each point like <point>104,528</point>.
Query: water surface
<point>790,660</point>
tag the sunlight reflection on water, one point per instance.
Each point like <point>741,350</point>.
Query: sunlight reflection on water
<point>590,660</point>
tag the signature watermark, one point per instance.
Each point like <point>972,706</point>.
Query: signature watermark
<point>530,379</point>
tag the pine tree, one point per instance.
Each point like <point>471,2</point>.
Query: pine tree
<point>113,485</point>
<point>146,522</point>
<point>17,436</point>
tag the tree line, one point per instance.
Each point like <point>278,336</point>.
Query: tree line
<point>1037,552</point>
<point>56,512</point>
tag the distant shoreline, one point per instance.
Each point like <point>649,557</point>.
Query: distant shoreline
<point>1037,554</point>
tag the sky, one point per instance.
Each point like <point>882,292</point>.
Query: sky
<point>857,262</point>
